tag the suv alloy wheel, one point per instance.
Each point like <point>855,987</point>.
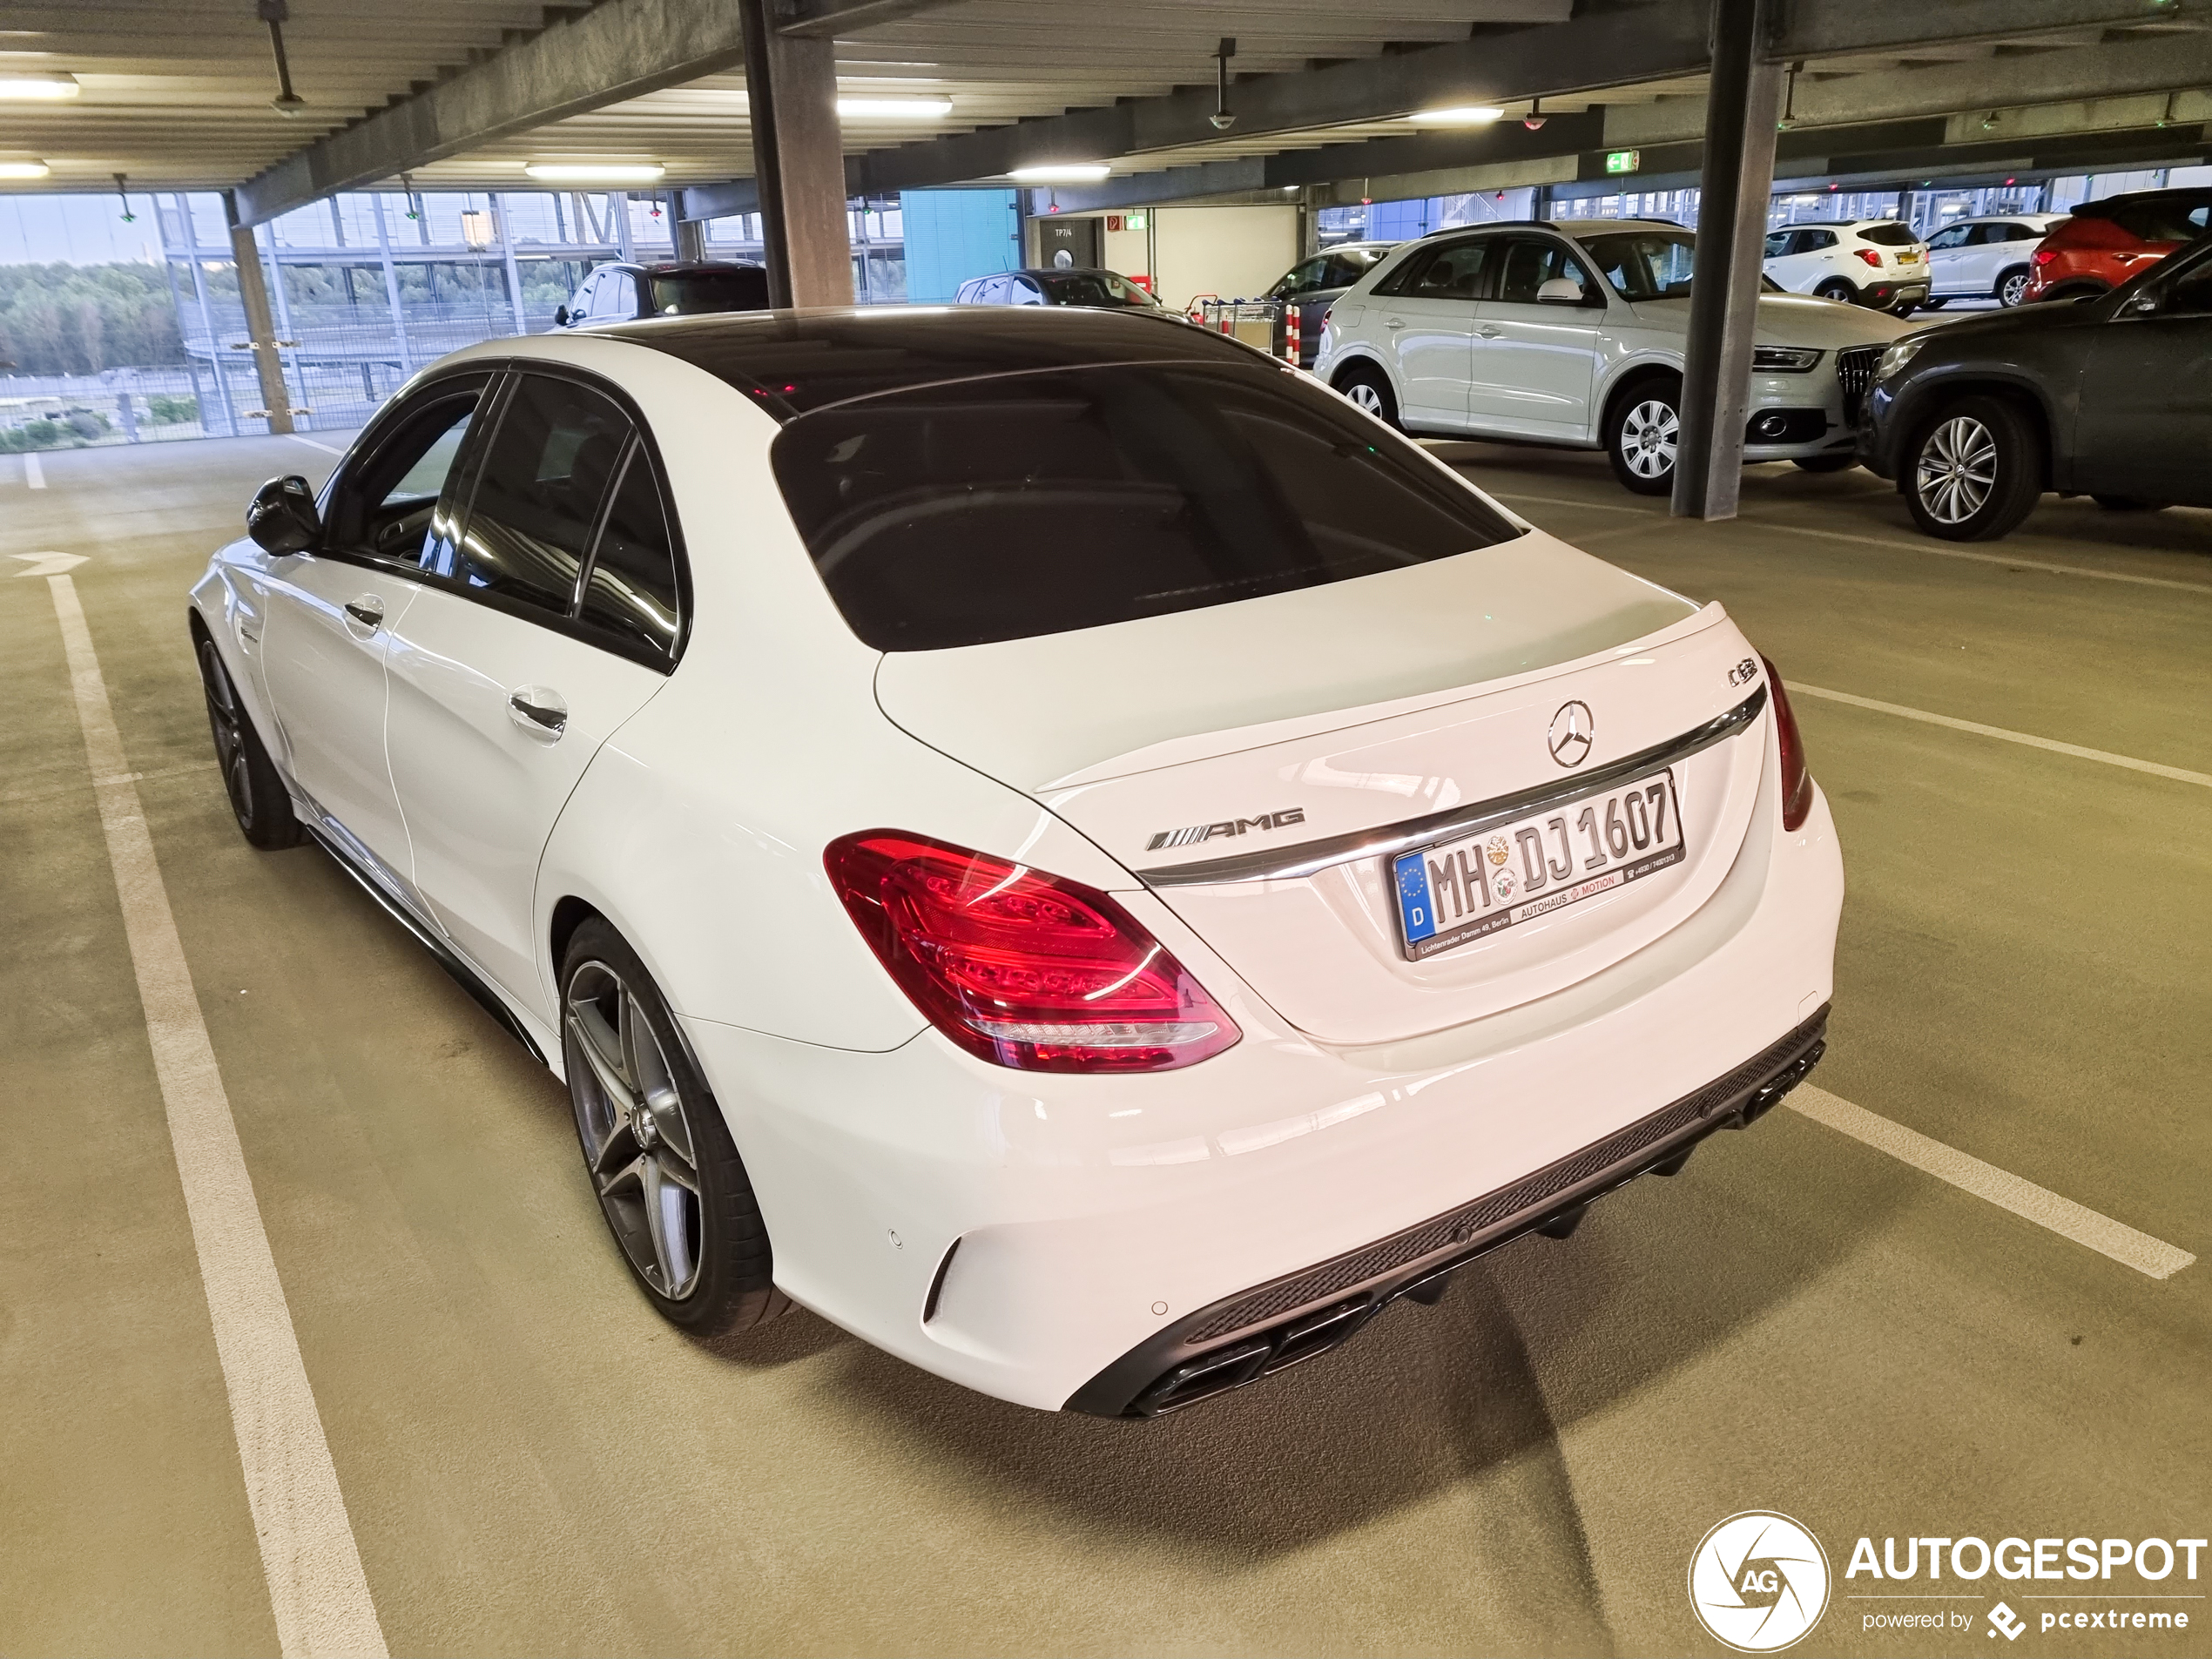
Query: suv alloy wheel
<point>1642,434</point>
<point>1974,471</point>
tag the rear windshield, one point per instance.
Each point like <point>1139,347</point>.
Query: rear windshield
<point>684,294</point>
<point>1091,288</point>
<point>1016,505</point>
<point>1888,235</point>
<point>2166,221</point>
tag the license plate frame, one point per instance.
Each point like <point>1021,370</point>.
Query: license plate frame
<point>1478,908</point>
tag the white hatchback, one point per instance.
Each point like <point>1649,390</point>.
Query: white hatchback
<point>1878,262</point>
<point>1043,835</point>
<point>1574,333</point>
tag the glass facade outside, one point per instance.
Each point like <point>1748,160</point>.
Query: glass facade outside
<point>364,288</point>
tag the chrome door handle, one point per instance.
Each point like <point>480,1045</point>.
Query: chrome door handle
<point>539,710</point>
<point>1489,331</point>
<point>369,610</point>
<point>1393,322</point>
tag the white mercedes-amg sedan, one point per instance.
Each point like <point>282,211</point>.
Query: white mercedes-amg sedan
<point>1046,836</point>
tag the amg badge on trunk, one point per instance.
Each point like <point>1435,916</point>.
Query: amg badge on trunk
<point>1198,832</point>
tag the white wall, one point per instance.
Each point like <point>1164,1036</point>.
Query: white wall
<point>1237,253</point>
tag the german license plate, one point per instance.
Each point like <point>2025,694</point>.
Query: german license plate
<point>1460,890</point>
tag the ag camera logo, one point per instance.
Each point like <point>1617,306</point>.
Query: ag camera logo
<point>1758,1582</point>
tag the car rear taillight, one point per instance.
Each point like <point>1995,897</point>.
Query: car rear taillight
<point>1870,256</point>
<point>1020,968</point>
<point>1796,781</point>
<point>2043,255</point>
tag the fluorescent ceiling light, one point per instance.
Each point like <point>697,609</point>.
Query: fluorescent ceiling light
<point>1464,114</point>
<point>24,170</point>
<point>595,172</point>
<point>1061,172</point>
<point>895,109</point>
<point>43,87</point>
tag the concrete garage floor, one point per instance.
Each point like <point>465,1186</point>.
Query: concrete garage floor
<point>533,1463</point>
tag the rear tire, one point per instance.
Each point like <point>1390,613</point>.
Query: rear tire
<point>1934,304</point>
<point>1906,307</point>
<point>657,1154</point>
<point>1369,388</point>
<point>1643,434</point>
<point>2012,287</point>
<point>1838,290</point>
<point>1827,463</point>
<point>258,799</point>
<point>1973,470</point>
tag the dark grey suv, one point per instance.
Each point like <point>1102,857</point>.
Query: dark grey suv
<point>1316,284</point>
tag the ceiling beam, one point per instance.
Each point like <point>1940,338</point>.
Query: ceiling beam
<point>817,18</point>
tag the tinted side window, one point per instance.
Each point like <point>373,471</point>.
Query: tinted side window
<point>538,495</point>
<point>1529,263</point>
<point>1814,241</point>
<point>383,510</point>
<point>1954,237</point>
<point>631,593</point>
<point>1778,243</point>
<point>1449,271</point>
<point>1018,505</point>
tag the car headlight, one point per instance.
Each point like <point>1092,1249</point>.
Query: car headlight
<point>1898,354</point>
<point>1787,359</point>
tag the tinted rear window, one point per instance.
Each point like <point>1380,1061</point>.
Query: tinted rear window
<point>2162,221</point>
<point>1092,289</point>
<point>684,294</point>
<point>1891,235</point>
<point>1012,506</point>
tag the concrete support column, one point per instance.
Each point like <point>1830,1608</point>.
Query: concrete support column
<point>260,326</point>
<point>690,233</point>
<point>798,159</point>
<point>1741,102</point>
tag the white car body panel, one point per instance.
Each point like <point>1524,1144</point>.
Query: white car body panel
<point>1905,264</point>
<point>1092,1212</point>
<point>1961,267</point>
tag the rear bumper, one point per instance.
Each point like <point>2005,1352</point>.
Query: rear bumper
<point>1026,1235</point>
<point>1272,1327</point>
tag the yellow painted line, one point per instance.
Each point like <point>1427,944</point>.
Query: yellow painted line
<point>2180,774</point>
<point>309,1558</point>
<point>2154,1257</point>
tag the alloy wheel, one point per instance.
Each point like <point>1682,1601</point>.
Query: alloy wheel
<point>227,722</point>
<point>637,1140</point>
<point>2014,290</point>
<point>1650,434</point>
<point>1364,395</point>
<point>1956,469</point>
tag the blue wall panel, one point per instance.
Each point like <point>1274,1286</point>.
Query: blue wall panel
<point>955,234</point>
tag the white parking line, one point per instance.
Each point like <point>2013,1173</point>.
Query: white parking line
<point>2024,1199</point>
<point>2179,774</point>
<point>311,444</point>
<point>1938,550</point>
<point>317,1589</point>
<point>33,474</point>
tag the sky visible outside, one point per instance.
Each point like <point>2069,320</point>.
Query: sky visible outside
<point>77,229</point>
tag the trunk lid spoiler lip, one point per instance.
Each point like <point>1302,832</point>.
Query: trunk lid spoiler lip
<point>1310,858</point>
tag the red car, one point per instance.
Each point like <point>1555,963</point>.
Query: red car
<point>2106,242</point>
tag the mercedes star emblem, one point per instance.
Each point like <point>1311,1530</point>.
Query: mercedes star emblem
<point>1570,734</point>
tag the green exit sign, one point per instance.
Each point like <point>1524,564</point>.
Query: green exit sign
<point>1138,220</point>
<point>1623,160</point>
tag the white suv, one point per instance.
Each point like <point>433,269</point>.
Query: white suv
<point>1877,262</point>
<point>1573,334</point>
<point>1985,258</point>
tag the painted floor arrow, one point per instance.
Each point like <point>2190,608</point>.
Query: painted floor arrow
<point>50,563</point>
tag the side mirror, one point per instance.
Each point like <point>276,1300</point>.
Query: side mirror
<point>2141,304</point>
<point>282,519</point>
<point>1560,291</point>
<point>560,316</point>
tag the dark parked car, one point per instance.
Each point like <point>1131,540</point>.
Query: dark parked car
<point>1318,283</point>
<point>1061,286</point>
<point>629,293</point>
<point>2107,242</point>
<point>2110,398</point>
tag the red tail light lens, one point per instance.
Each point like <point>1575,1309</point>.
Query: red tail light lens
<point>1796,781</point>
<point>1870,256</point>
<point>2043,256</point>
<point>1019,967</point>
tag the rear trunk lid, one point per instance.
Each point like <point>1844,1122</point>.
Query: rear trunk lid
<point>1268,769</point>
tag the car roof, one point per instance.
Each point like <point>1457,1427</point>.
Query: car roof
<point>1592,226</point>
<point>2098,208</point>
<point>685,268</point>
<point>1050,270</point>
<point>793,362</point>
